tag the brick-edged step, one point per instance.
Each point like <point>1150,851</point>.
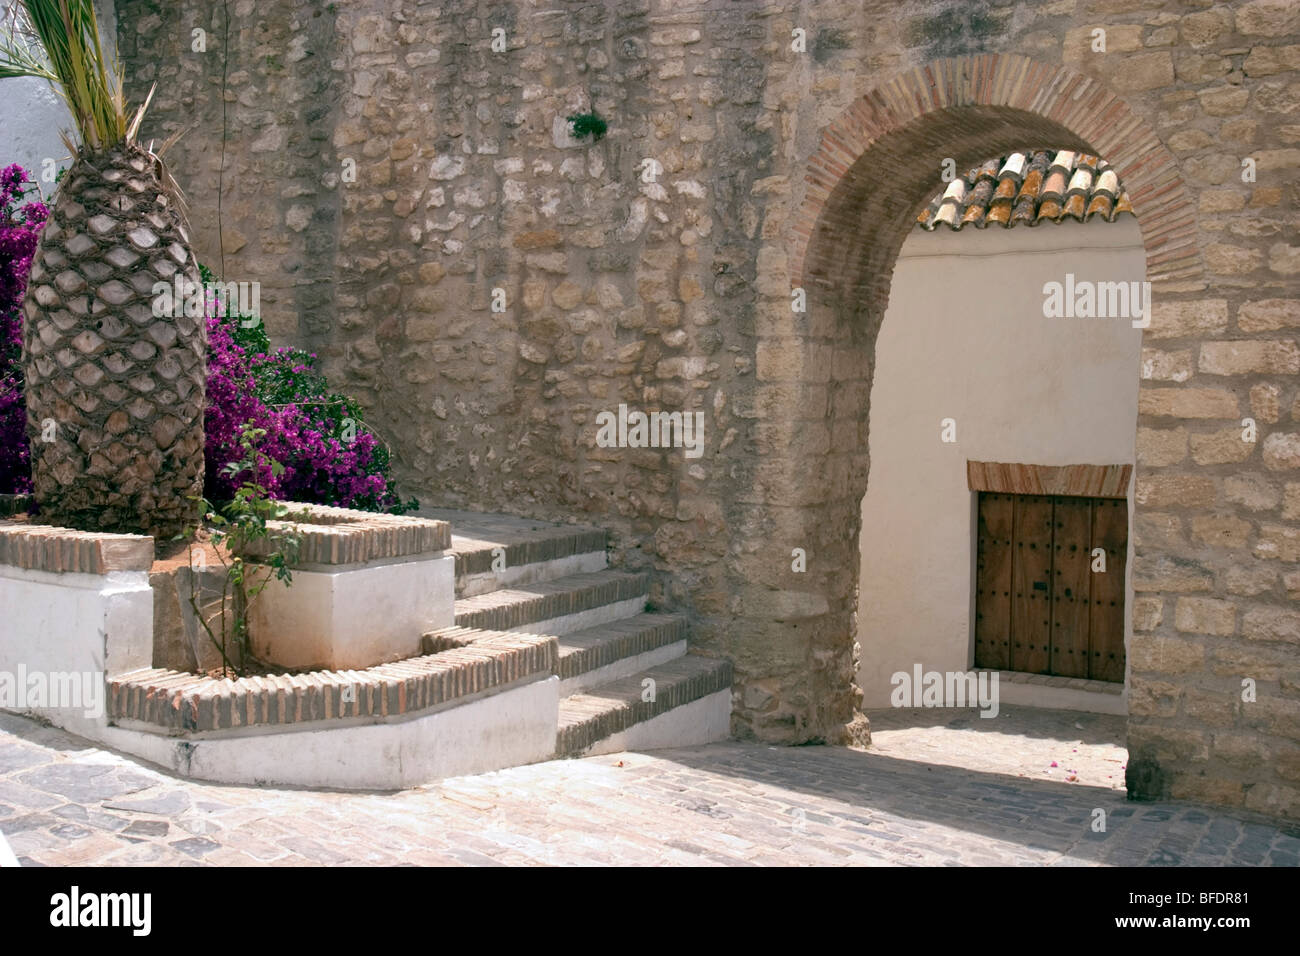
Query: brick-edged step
<point>567,604</point>
<point>193,702</point>
<point>593,656</point>
<point>590,717</point>
<point>607,652</point>
<point>495,551</point>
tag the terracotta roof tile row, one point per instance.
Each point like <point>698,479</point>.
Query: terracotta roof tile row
<point>1029,187</point>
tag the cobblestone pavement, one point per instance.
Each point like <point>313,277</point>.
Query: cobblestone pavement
<point>1021,742</point>
<point>64,801</point>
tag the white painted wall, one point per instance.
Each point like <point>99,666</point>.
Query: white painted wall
<point>355,617</point>
<point>702,721</point>
<point>964,337</point>
<point>61,623</point>
<point>507,728</point>
<point>32,114</point>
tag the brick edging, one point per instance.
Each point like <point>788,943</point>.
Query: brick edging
<point>327,535</point>
<point>181,702</point>
<point>37,547</point>
<point>476,555</point>
<point>509,607</point>
<point>337,536</point>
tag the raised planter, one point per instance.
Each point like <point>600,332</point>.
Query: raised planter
<point>80,616</point>
<point>365,587</point>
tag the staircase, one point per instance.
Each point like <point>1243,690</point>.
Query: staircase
<point>627,678</point>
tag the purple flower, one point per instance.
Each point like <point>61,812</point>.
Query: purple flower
<point>20,228</point>
<point>315,434</point>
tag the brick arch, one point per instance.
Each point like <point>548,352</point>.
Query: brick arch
<point>970,108</point>
<point>875,167</point>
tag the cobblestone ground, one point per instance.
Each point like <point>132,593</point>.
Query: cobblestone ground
<point>1060,746</point>
<point>981,799</point>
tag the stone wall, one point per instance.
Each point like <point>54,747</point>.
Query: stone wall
<point>781,168</point>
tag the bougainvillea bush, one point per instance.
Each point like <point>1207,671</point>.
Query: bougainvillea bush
<point>328,454</point>
<point>21,218</point>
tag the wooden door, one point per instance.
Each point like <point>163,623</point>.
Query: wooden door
<point>1106,627</point>
<point>1044,603</point>
<point>1031,576</point>
<point>993,583</point>
<point>1071,594</point>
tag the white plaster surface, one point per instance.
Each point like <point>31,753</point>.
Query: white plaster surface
<point>506,729</point>
<point>353,618</point>
<point>73,622</point>
<point>964,337</point>
<point>700,722</point>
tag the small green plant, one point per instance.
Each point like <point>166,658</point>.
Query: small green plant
<point>582,124</point>
<point>235,532</point>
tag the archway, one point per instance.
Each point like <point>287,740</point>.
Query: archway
<point>875,167</point>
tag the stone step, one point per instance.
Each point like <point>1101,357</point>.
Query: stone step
<point>691,705</point>
<point>597,655</point>
<point>571,603</point>
<point>590,657</point>
<point>501,551</point>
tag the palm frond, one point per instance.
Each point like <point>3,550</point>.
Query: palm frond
<point>58,40</point>
<point>20,51</point>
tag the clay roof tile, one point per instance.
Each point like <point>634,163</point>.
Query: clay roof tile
<point>975,214</point>
<point>947,214</point>
<point>1101,205</point>
<point>1074,206</point>
<point>1048,209</point>
<point>1007,189</point>
<point>999,212</point>
<point>1033,184</point>
<point>1081,181</point>
<point>1064,160</point>
<point>1023,212</point>
<point>1014,167</point>
<point>1107,183</point>
<point>1054,184</point>
<point>1028,187</point>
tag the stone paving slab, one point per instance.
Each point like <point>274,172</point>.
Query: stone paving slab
<point>64,801</point>
<point>1024,742</point>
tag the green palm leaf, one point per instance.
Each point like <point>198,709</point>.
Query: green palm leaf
<point>58,41</point>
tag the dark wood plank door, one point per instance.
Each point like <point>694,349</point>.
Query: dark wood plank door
<point>1031,576</point>
<point>993,583</point>
<point>1106,632</point>
<point>1071,530</point>
<point>1040,607</point>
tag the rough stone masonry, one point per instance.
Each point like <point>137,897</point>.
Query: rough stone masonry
<point>386,169</point>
